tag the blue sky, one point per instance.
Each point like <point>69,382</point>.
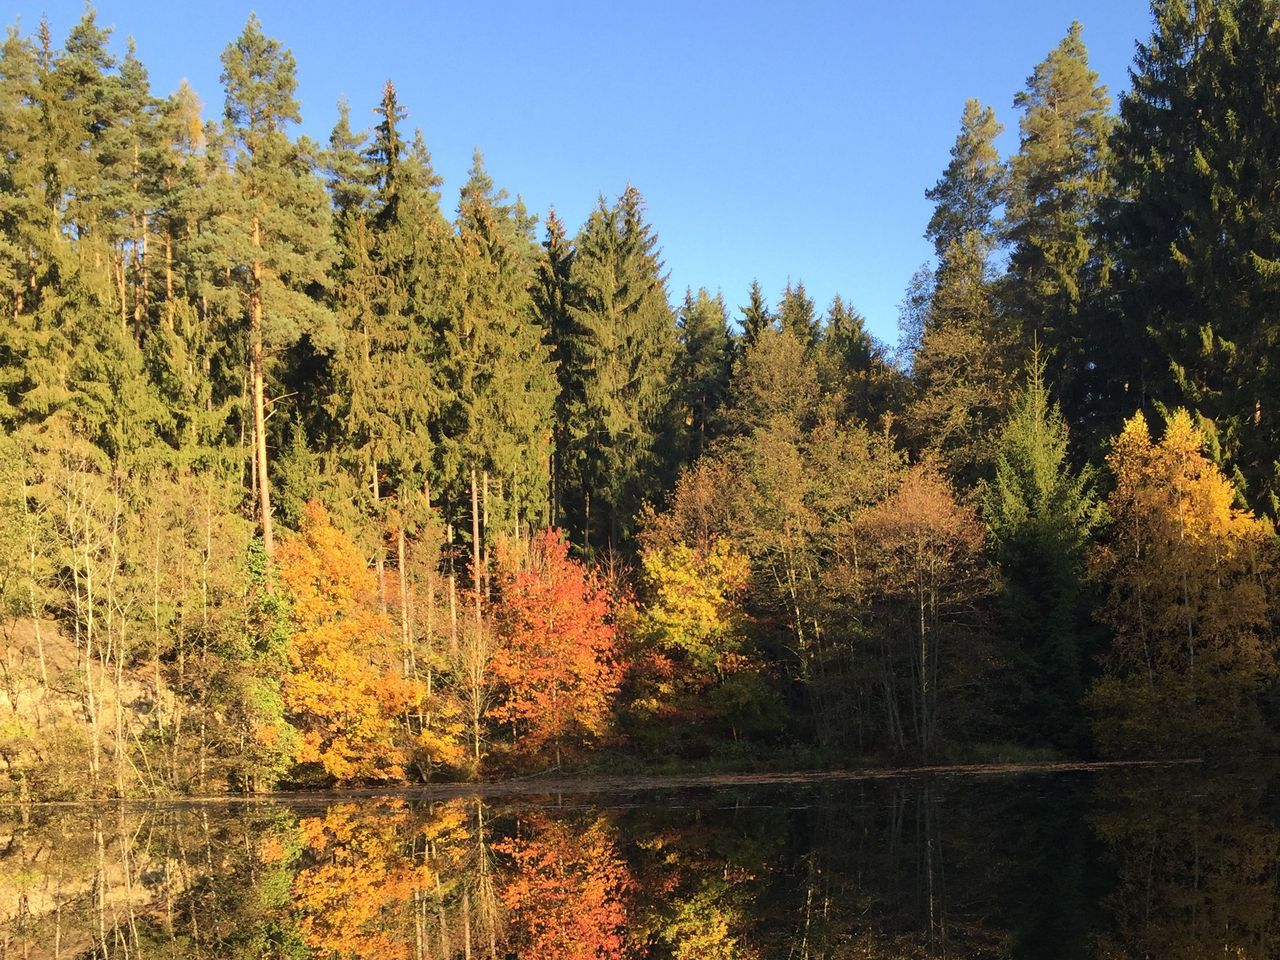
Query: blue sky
<point>772,141</point>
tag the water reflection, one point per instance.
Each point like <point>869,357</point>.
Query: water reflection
<point>1126,864</point>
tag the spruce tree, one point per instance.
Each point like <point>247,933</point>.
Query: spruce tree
<point>703,369</point>
<point>551,294</point>
<point>628,344</point>
<point>1195,232</point>
<point>1040,514</point>
<point>755,317</point>
<point>854,368</point>
<point>796,313</point>
<point>394,243</point>
<point>501,386</point>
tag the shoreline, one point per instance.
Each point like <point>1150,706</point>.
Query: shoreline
<point>588,784</point>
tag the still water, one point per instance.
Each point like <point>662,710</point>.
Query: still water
<point>1135,862</point>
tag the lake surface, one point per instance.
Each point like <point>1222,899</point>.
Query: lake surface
<point>1174,862</point>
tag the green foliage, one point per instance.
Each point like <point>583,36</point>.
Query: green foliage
<point>1040,515</point>
<point>972,187</point>
<point>1195,232</point>
<point>624,339</point>
<point>213,323</point>
<point>703,368</point>
<point>1057,180</point>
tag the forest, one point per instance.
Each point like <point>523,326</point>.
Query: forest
<point>312,476</point>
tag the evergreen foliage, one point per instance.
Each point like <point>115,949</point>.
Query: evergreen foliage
<point>1040,515</point>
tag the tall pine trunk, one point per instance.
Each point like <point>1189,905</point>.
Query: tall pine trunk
<point>256,377</point>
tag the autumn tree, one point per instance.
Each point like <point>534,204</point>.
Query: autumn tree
<point>344,691</point>
<point>923,556</point>
<point>568,894</point>
<point>556,658</point>
<point>694,665</point>
<point>1185,575</point>
<point>356,885</point>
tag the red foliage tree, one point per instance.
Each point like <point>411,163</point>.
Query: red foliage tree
<point>556,664</point>
<point>568,896</point>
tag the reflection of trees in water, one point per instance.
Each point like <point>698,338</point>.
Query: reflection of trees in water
<point>1140,865</point>
<point>883,870</point>
<point>1196,861</point>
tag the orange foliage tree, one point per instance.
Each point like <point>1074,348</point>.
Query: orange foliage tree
<point>568,895</point>
<point>353,894</point>
<point>1185,574</point>
<point>922,563</point>
<point>556,663</point>
<point>342,690</point>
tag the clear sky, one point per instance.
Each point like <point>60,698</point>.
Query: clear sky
<point>771,140</point>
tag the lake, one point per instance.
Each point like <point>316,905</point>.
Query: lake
<point>1141,862</point>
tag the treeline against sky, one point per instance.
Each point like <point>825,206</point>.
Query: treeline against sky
<point>309,476</point>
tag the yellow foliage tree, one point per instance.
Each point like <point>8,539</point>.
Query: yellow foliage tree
<point>691,611</point>
<point>1185,575</point>
<point>342,690</point>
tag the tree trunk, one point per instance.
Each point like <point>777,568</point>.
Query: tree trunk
<point>257,376</point>
<point>475,545</point>
<point>405,637</point>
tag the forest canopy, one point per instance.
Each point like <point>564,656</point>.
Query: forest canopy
<point>313,473</point>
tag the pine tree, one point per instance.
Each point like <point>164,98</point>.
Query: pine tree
<point>972,186</point>
<point>282,240</point>
<point>1195,232</point>
<point>1040,515</point>
<point>960,370</point>
<point>1056,182</point>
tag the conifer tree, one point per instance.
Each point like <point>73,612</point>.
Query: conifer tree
<point>551,294</point>
<point>755,316</point>
<point>627,340</point>
<point>1056,182</point>
<point>960,369</point>
<point>501,387</point>
<point>972,186</point>
<point>390,305</point>
<point>281,238</point>
<point>854,368</point>
<point>960,373</point>
<point>1195,231</point>
<point>703,368</point>
<point>796,313</point>
<point>1040,515</point>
